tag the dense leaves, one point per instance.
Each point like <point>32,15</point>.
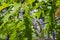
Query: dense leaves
<point>29,19</point>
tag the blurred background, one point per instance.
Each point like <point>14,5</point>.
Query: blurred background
<point>29,19</point>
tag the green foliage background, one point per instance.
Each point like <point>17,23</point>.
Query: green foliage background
<point>10,24</point>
